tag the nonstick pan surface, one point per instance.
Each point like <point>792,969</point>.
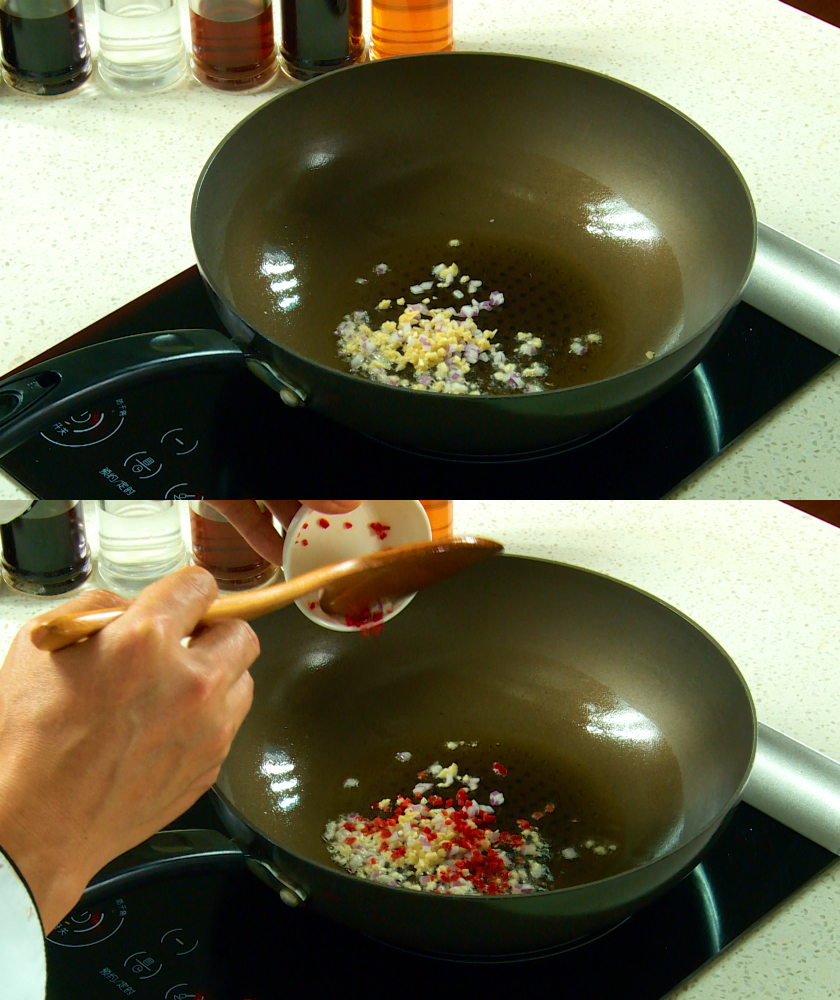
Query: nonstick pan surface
<point>594,695</point>
<point>591,205</point>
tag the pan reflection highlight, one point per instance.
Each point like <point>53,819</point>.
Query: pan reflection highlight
<point>275,263</point>
<point>711,911</point>
<point>274,765</point>
<point>614,219</point>
<point>624,725</point>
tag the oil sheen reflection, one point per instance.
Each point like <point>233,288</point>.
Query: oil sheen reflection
<point>614,219</point>
<point>278,267</point>
<point>278,769</point>
<point>623,724</point>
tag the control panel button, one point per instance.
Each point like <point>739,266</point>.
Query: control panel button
<point>84,928</point>
<point>143,965</point>
<point>90,427</point>
<point>143,464</point>
<point>179,441</point>
<point>177,942</point>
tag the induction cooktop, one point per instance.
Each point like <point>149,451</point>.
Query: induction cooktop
<point>221,934</point>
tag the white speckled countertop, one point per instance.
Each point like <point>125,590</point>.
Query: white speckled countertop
<point>95,202</point>
<point>763,579</point>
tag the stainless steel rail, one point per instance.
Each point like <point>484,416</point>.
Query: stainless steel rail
<point>796,286</point>
<point>797,786</point>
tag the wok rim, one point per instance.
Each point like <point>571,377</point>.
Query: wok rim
<point>713,324</point>
<point>705,831</point>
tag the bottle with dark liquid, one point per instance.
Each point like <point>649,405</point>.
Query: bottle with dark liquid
<point>404,27</point>
<point>45,49</point>
<point>233,43</point>
<point>220,549</point>
<point>45,550</point>
<point>320,35</point>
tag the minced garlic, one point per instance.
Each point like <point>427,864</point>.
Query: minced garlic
<point>446,349</point>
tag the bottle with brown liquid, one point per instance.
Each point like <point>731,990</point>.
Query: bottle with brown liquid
<point>439,513</point>
<point>45,48</point>
<point>45,550</point>
<point>404,27</point>
<point>220,549</point>
<point>233,43</point>
<point>320,35</point>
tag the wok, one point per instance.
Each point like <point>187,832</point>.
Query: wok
<point>594,695</point>
<point>590,204</point>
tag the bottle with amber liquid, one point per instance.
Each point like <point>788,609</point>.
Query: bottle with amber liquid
<point>233,43</point>
<point>320,35</point>
<point>439,513</point>
<point>45,48</point>
<point>405,27</point>
<point>45,550</point>
<point>219,548</point>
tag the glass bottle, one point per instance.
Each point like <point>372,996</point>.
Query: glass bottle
<point>45,48</point>
<point>139,542</point>
<point>219,548</point>
<point>45,550</point>
<point>233,43</point>
<point>320,35</point>
<point>141,47</point>
<point>439,513</point>
<point>403,27</point>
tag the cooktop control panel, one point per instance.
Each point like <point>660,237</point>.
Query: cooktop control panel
<point>225,935</point>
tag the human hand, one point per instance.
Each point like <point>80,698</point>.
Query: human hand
<point>105,742</point>
<point>256,525</point>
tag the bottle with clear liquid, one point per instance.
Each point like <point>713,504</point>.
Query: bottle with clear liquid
<point>141,47</point>
<point>139,542</point>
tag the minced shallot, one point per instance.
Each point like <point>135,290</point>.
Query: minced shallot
<point>450,845</point>
<point>446,349</point>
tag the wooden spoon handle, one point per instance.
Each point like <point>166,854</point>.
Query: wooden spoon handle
<point>64,630</point>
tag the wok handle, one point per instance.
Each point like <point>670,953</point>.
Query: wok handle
<point>184,852</point>
<point>168,853</point>
<point>52,389</point>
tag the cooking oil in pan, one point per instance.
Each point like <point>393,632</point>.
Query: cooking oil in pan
<point>545,295</point>
<point>592,814</point>
<point>573,258</point>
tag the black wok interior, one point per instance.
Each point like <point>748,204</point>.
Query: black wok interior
<point>624,197</point>
<point>628,716</point>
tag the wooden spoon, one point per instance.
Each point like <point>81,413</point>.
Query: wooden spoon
<point>347,588</point>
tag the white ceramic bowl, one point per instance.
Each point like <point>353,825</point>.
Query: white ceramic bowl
<point>316,539</point>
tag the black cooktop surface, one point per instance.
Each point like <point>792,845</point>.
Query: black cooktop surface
<point>224,935</point>
<point>212,434</point>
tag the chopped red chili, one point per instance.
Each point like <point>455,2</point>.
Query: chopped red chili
<point>323,522</point>
<point>499,768</point>
<point>379,529</point>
